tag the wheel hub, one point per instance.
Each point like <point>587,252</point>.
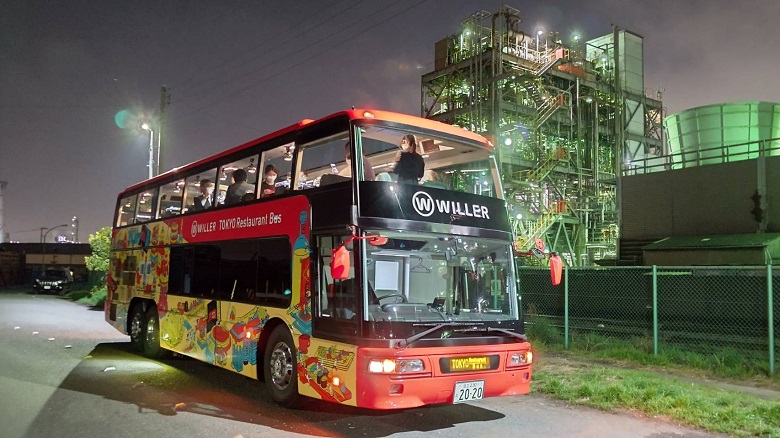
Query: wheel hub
<point>281,365</point>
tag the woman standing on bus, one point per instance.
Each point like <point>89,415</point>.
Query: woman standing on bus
<point>409,164</point>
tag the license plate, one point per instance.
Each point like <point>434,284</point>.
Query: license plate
<point>47,287</point>
<point>468,391</point>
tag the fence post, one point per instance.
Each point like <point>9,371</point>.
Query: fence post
<point>566,308</point>
<point>770,319</point>
<point>655,310</point>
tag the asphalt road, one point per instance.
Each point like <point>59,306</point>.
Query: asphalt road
<point>64,373</point>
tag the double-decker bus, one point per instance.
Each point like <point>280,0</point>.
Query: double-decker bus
<point>363,291</point>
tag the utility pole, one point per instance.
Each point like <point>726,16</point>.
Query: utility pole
<point>2,195</point>
<point>165,100</point>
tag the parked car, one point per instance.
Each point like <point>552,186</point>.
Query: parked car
<point>54,280</point>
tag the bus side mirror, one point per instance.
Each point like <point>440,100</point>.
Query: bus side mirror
<point>377,240</point>
<point>339,263</point>
<point>556,268</point>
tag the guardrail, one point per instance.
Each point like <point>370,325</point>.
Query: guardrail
<point>702,157</point>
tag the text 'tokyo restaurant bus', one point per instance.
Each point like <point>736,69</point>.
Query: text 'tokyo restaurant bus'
<point>335,280</point>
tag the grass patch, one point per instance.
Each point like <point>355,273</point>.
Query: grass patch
<point>94,297</point>
<point>612,388</point>
<point>725,363</point>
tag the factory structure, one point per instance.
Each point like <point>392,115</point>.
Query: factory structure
<point>568,118</point>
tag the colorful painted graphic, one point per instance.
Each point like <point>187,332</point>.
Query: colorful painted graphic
<point>226,333</point>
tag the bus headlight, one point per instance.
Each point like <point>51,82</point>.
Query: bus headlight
<point>521,358</point>
<point>395,365</point>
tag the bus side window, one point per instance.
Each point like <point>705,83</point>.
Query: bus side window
<point>194,198</point>
<point>323,163</point>
<point>239,180</point>
<point>147,205</point>
<point>170,199</point>
<point>279,160</point>
<point>126,213</point>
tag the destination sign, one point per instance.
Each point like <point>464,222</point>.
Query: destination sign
<point>461,364</point>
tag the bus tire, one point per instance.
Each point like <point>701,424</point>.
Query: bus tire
<point>151,335</point>
<point>280,367</point>
<point>136,328</point>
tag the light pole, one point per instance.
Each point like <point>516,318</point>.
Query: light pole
<point>147,127</point>
<point>538,34</point>
<point>43,245</point>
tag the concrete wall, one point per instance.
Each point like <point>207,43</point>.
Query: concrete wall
<point>707,257</point>
<point>713,199</point>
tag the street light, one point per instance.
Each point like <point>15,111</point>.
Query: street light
<point>147,127</point>
<point>43,245</point>
<point>538,34</point>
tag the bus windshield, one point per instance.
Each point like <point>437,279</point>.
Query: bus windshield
<point>421,277</point>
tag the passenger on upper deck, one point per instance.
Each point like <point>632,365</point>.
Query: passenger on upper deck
<point>239,187</point>
<point>368,171</point>
<point>409,164</point>
<point>267,187</point>
<point>205,200</point>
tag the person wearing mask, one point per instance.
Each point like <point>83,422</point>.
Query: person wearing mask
<point>239,187</point>
<point>267,187</point>
<point>205,200</point>
<point>368,171</point>
<point>409,164</point>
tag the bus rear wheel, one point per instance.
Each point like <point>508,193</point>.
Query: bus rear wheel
<point>151,335</point>
<point>136,329</point>
<point>280,367</point>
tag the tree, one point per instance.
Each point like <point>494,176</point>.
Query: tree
<point>100,243</point>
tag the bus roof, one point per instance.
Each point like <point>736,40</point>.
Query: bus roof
<point>353,114</point>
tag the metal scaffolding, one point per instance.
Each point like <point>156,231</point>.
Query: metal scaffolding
<point>557,114</point>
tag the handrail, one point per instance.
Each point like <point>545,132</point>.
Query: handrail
<point>702,157</point>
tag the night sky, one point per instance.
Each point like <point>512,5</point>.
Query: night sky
<point>239,69</point>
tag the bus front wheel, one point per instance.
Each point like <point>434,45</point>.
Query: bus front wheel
<point>280,367</point>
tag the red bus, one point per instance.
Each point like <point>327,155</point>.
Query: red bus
<point>335,280</point>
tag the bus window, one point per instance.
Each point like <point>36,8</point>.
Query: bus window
<point>126,213</point>
<point>323,162</point>
<point>193,200</point>
<point>274,274</point>
<point>170,199</point>
<point>280,161</point>
<point>337,298</point>
<point>147,203</point>
<point>238,181</point>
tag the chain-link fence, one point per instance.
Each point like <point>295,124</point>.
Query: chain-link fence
<point>703,309</point>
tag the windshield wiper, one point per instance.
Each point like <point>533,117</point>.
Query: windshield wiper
<point>403,343</point>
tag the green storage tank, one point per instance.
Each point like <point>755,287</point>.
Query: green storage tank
<point>722,133</point>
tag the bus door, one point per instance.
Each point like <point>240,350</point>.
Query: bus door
<point>337,304</point>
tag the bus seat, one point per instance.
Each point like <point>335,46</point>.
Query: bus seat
<point>386,177</point>
<point>330,178</point>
